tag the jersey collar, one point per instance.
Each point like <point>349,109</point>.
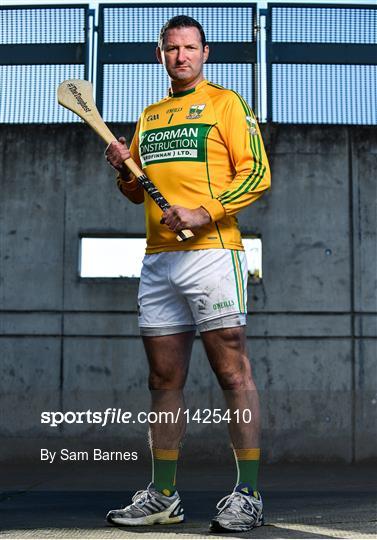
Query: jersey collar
<point>186,92</point>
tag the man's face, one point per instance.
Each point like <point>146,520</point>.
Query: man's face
<point>182,54</point>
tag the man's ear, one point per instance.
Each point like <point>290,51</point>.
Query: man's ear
<point>159,55</point>
<point>205,53</point>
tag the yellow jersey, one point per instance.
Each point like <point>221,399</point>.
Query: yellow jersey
<point>201,147</point>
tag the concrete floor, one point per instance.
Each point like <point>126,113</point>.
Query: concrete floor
<point>301,501</point>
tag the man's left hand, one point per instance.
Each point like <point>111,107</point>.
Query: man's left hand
<point>178,218</point>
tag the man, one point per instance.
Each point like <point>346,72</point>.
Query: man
<point>202,148</point>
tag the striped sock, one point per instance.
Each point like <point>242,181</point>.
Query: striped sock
<point>247,460</point>
<point>164,470</point>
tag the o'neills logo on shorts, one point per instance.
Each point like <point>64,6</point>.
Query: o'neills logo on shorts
<point>73,89</point>
<point>222,305</point>
<point>185,142</point>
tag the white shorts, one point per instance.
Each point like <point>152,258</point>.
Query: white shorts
<point>181,290</point>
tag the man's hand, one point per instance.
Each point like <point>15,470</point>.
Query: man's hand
<point>116,153</point>
<point>178,218</point>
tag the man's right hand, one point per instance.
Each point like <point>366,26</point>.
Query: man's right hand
<point>116,153</point>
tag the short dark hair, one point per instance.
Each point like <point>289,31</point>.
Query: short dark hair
<point>181,21</point>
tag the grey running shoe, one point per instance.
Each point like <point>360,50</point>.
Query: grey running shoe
<point>242,510</point>
<point>148,507</point>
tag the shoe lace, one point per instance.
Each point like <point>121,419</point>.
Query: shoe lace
<point>141,497</point>
<point>236,502</point>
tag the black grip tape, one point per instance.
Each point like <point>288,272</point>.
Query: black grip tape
<point>153,192</point>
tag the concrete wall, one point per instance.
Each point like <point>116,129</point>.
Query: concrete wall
<point>72,344</point>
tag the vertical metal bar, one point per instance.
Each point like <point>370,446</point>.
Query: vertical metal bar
<point>99,78</point>
<point>95,50</point>
<point>262,99</point>
<point>90,39</point>
<point>268,34</point>
<point>86,44</point>
<point>255,93</point>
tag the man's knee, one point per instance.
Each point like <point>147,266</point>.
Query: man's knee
<point>166,380</point>
<point>168,358</point>
<point>235,375</point>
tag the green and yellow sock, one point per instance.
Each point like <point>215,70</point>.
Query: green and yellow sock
<point>164,470</point>
<point>247,460</point>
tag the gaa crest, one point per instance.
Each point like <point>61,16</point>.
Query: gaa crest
<point>195,112</point>
<point>251,125</point>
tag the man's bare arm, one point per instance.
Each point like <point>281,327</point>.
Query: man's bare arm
<point>116,153</point>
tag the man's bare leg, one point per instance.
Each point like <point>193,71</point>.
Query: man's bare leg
<point>226,351</point>
<point>168,358</point>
